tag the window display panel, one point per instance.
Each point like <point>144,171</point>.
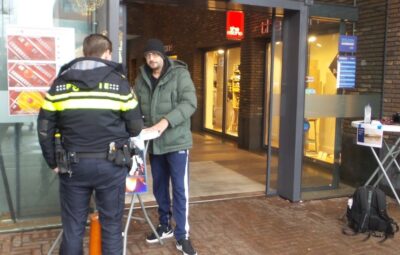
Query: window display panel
<point>36,39</point>
<point>233,91</point>
<point>215,61</point>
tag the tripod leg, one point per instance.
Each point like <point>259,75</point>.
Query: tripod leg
<point>148,219</point>
<point>55,243</point>
<point>128,221</point>
<point>7,189</point>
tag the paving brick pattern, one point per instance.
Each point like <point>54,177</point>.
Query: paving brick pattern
<point>242,226</point>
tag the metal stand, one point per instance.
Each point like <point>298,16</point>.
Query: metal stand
<point>392,154</point>
<point>17,144</point>
<point>7,189</point>
<point>146,217</point>
<point>3,129</point>
<point>53,246</point>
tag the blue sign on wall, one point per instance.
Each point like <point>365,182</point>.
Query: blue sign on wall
<point>347,43</point>
<point>346,72</point>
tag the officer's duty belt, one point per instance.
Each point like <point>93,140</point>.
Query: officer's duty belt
<point>91,154</point>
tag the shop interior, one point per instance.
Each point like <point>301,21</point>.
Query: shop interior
<point>222,91</point>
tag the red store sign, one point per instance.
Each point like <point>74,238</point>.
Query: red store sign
<point>234,25</point>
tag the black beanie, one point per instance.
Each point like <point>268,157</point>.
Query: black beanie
<point>154,45</point>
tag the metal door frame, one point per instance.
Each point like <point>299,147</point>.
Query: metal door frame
<point>294,31</point>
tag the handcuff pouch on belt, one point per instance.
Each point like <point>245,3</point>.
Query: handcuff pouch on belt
<point>119,153</point>
<point>62,157</point>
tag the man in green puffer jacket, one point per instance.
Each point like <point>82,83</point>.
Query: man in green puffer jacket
<point>168,99</point>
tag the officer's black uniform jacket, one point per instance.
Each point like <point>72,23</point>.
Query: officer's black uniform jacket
<point>91,104</point>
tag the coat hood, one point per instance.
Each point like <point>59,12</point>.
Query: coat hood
<point>87,72</point>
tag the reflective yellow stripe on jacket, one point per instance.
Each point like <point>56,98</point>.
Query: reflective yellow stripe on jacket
<point>89,100</point>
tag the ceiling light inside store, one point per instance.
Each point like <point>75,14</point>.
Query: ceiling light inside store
<point>319,45</point>
<point>220,51</point>
<point>85,7</point>
<point>312,38</point>
<point>278,42</point>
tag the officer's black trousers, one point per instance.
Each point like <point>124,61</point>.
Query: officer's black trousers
<point>108,182</point>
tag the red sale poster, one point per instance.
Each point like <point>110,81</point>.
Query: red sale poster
<point>27,74</point>
<point>25,102</point>
<point>31,48</point>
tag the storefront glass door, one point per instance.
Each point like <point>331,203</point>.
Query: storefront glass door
<point>222,90</point>
<point>272,97</point>
<point>233,91</point>
<point>321,132</point>
<point>215,66</point>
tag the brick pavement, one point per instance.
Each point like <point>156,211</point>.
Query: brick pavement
<point>256,225</point>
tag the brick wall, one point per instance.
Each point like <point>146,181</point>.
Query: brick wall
<point>370,31</point>
<point>357,163</point>
<point>252,83</point>
<point>391,93</point>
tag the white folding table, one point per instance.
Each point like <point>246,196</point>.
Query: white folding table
<point>388,159</point>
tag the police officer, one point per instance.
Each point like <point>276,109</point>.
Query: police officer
<point>90,104</point>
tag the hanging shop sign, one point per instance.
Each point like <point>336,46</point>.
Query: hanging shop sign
<point>168,48</point>
<point>347,43</point>
<point>346,72</point>
<point>265,27</point>
<point>234,25</point>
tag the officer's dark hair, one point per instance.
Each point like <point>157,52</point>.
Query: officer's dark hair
<point>95,45</point>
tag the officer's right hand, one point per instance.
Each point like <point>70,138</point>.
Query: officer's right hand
<point>56,170</point>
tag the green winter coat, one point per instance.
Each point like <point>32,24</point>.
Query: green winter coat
<point>174,99</point>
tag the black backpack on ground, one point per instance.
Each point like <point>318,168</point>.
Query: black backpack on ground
<point>367,213</point>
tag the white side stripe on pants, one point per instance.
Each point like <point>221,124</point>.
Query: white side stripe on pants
<point>186,184</point>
